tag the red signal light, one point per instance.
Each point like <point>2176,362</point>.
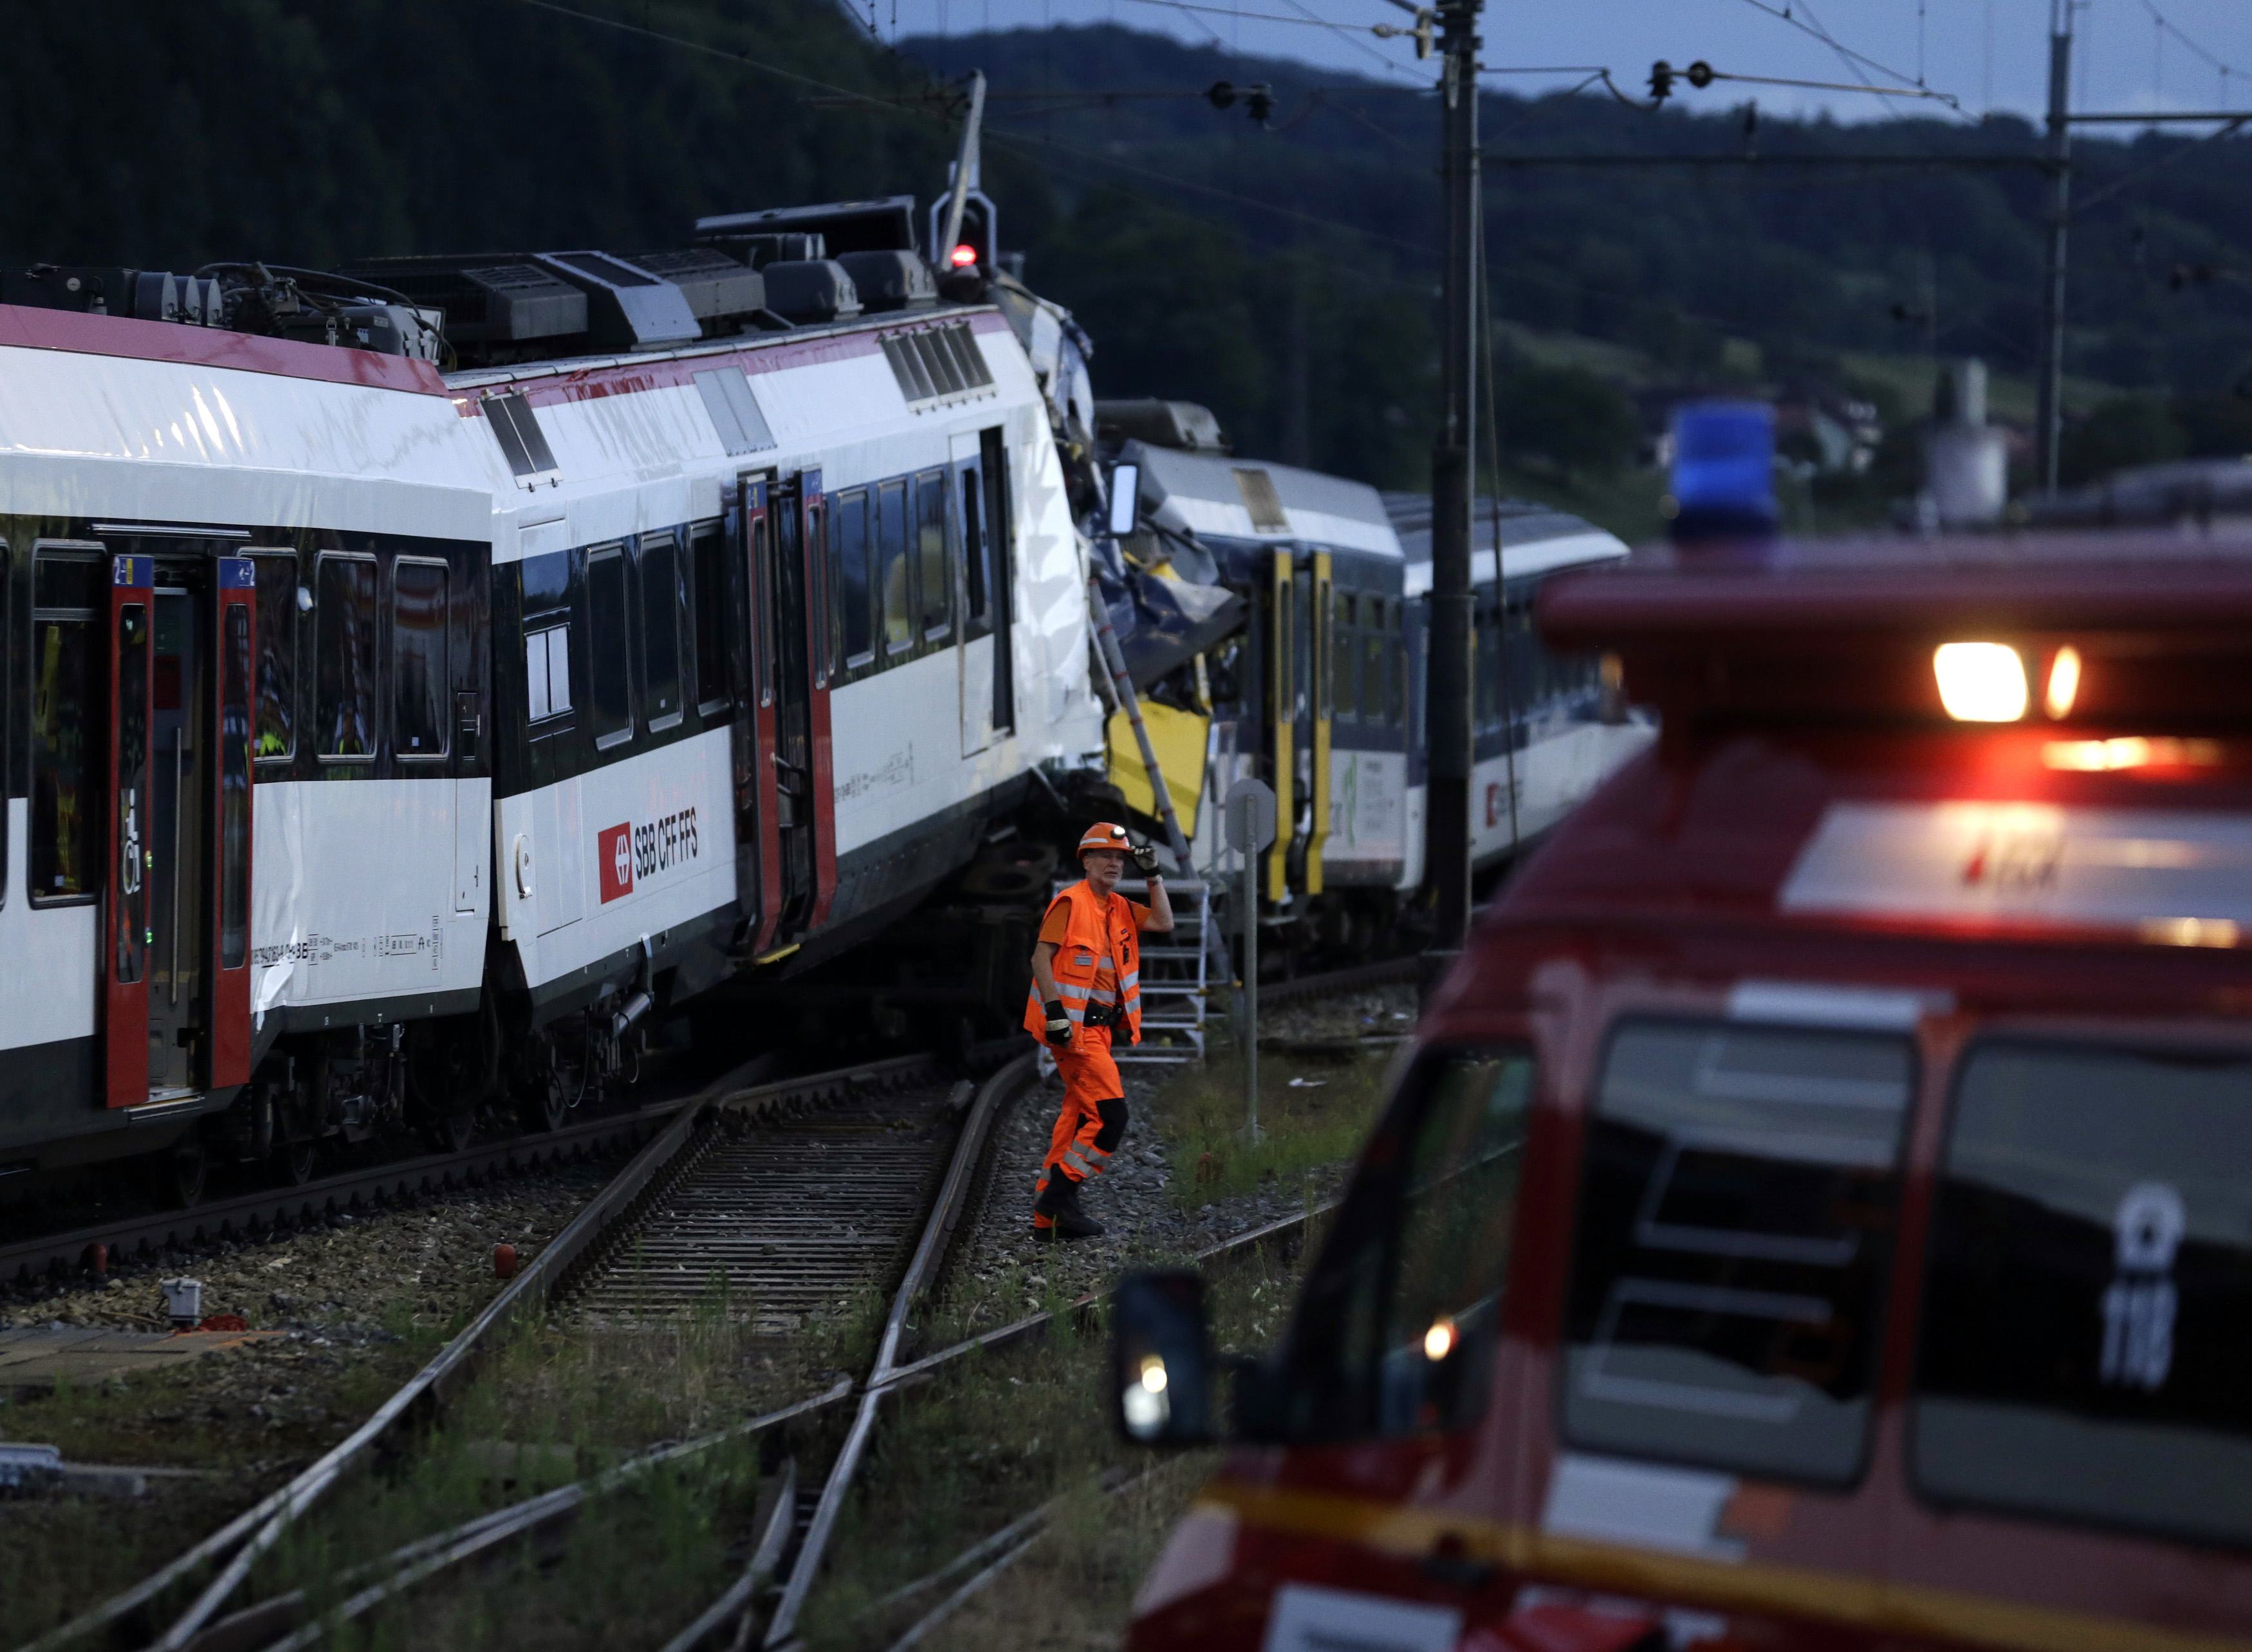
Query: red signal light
<point>963,256</point>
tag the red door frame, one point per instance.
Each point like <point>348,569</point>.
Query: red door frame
<point>125,804</point>
<point>813,539</point>
<point>233,680</point>
<point>759,805</point>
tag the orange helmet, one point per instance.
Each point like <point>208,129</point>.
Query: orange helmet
<point>1103,834</point>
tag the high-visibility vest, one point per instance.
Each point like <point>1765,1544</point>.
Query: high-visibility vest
<point>1099,934</point>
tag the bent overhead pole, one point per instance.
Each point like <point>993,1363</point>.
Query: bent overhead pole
<point>965,167</point>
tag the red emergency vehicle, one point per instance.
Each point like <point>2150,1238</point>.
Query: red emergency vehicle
<point>1819,1210</point>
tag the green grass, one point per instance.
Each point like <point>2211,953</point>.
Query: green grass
<point>996,1435</point>
<point>555,1403</point>
<point>1313,1125</point>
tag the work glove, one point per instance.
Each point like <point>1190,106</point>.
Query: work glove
<point>1146,858</point>
<point>1058,1024</point>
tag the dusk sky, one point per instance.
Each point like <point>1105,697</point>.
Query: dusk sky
<point>1987,53</point>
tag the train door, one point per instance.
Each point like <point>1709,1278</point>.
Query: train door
<point>125,899</point>
<point>1001,581</point>
<point>179,752</point>
<point>177,928</point>
<point>973,596</point>
<point>1281,714</point>
<point>785,536</point>
<point>1321,641</point>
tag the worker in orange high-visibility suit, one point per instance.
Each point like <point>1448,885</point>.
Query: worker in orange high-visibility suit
<point>1086,986</point>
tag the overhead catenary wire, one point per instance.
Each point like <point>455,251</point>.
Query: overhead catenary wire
<point>1036,151</point>
<point>1858,61</point>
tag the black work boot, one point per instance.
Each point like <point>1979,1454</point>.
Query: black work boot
<point>1059,1201</point>
<point>1072,1222</point>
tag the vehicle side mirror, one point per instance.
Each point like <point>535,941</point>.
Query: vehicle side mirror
<point>1125,500</point>
<point>1160,1362</point>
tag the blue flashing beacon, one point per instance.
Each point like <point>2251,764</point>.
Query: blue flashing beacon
<point>1723,469</point>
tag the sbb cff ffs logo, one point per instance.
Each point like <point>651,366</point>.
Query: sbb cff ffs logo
<point>627,853</point>
<point>616,861</point>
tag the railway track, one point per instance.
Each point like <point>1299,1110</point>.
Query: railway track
<point>633,1199</point>
<point>789,1196</point>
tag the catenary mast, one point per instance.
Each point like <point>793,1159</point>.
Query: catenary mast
<point>1447,825</point>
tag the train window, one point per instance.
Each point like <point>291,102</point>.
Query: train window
<point>975,621</point>
<point>937,578</point>
<point>129,913</point>
<point>609,674</point>
<point>2087,1309</point>
<point>547,671</point>
<point>418,677</point>
<point>708,557</point>
<point>851,551</point>
<point>1736,1225</point>
<point>1397,1330</point>
<point>1348,657</point>
<point>1490,642</point>
<point>822,616</point>
<point>346,606</point>
<point>660,630</point>
<point>66,757</point>
<point>894,576</point>
<point>277,573</point>
<point>1375,689</point>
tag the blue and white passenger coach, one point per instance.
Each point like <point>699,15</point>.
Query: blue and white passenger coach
<point>1322,693</point>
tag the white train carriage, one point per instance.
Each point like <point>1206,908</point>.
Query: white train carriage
<point>761,694</point>
<point>358,716</point>
<point>229,559</point>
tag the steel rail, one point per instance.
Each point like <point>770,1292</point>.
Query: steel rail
<point>258,1527</point>
<point>961,1176</point>
<point>1014,1540</point>
<point>249,1627</point>
<point>129,1235</point>
<point>417,1562</point>
<point>764,1561</point>
<point>1037,1324</point>
<point>1383,972</point>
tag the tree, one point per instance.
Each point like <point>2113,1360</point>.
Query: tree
<point>2123,431</point>
<point>1566,417</point>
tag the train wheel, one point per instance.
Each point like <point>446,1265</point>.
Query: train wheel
<point>451,1131</point>
<point>181,1172</point>
<point>294,1163</point>
<point>561,1086</point>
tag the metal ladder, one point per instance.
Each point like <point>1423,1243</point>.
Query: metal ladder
<point>1174,976</point>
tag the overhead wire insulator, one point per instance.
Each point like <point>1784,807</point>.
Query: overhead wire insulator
<point>1700,74</point>
<point>1221,95</point>
<point>1260,102</point>
<point>1661,80</point>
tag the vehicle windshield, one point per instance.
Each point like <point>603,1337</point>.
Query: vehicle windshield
<point>1735,1227</point>
<point>2086,1348</point>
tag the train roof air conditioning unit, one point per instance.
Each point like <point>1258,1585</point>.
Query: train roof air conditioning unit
<point>881,225</point>
<point>806,291</point>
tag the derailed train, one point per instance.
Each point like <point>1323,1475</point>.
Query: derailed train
<point>1320,690</point>
<point>379,739</point>
<point>382,741</point>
